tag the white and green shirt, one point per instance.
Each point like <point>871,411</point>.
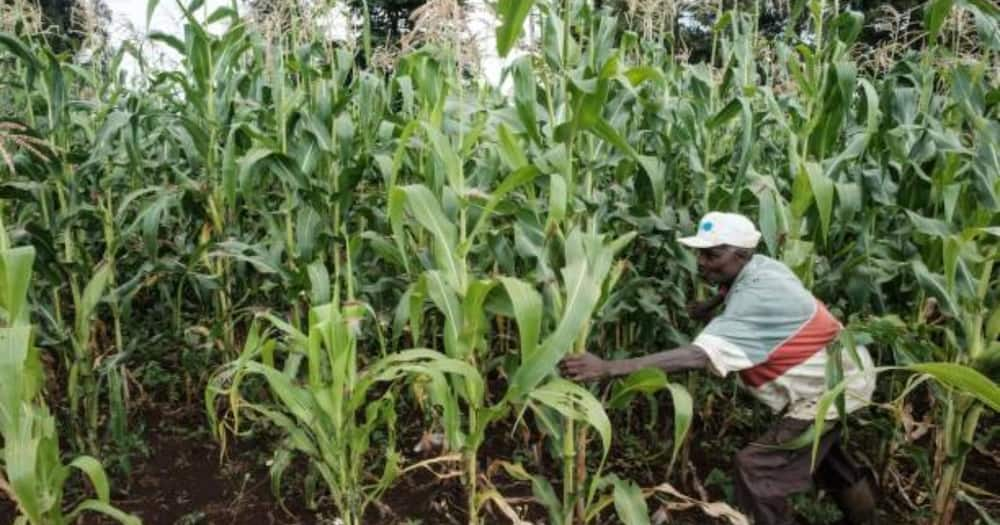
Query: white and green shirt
<point>774,333</point>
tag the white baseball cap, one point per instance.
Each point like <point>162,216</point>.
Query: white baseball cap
<point>718,228</point>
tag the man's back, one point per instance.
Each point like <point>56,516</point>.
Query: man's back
<point>775,334</point>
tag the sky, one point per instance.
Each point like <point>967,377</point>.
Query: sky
<point>129,17</point>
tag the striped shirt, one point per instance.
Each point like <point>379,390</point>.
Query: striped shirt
<point>774,334</point>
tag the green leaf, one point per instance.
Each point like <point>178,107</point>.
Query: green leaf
<point>20,380</point>
<point>988,8</point>
<point>540,488</point>
<point>101,507</point>
<point>114,122</point>
<point>950,256</point>
<point>15,270</point>
<point>446,301</point>
<point>964,379</point>
<point>725,114</point>
<point>848,26</point>
<point>935,13</point>
<point>823,191</point>
<point>237,250</point>
<point>639,74</point>
<point>576,403</point>
<point>56,90</point>
<point>21,50</point>
<point>935,285</point>
<point>558,199</point>
<point>630,503</point>
<point>525,94</point>
<point>510,151</point>
<point>221,13</point>
<point>603,129</point>
<point>804,439</point>
<point>170,40</point>
<point>446,154</point>
<point>527,305</point>
<point>319,281</point>
<point>473,312</point>
<point>822,409</point>
<point>150,8</point>
<point>251,161</point>
<point>383,248</point>
<point>516,179</point>
<point>582,294</point>
<point>397,205</point>
<point>993,325</point>
<point>95,472</point>
<point>92,295</point>
<point>427,211</point>
<point>512,14</point>
<point>932,227</point>
<point>645,381</point>
<point>683,415</point>
<point>654,170</point>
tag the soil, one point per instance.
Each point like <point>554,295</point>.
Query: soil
<point>183,480</point>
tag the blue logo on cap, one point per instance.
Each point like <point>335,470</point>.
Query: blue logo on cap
<point>706,226</point>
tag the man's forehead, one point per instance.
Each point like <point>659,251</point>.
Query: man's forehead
<point>716,250</point>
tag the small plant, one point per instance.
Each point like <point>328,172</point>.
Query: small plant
<point>327,406</point>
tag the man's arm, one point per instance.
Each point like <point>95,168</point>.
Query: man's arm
<point>587,366</point>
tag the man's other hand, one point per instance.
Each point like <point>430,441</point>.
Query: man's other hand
<point>702,311</point>
<point>584,367</point>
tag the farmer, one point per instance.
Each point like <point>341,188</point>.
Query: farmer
<point>774,334</point>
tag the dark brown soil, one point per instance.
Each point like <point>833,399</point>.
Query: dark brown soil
<point>184,481</point>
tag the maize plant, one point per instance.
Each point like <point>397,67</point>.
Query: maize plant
<point>491,232</point>
<point>34,475</point>
<point>332,414</point>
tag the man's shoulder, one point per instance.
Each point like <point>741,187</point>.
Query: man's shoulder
<point>769,286</point>
<point>763,270</point>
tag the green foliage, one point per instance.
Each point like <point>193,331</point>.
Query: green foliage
<point>34,476</point>
<point>330,410</point>
<point>500,233</point>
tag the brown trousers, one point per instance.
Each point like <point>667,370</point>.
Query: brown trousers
<point>765,476</point>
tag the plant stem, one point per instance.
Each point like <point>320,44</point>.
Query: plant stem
<point>471,469</point>
<point>569,454</point>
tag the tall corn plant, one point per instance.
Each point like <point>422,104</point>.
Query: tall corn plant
<point>591,136</point>
<point>558,404</point>
<point>59,214</point>
<point>954,271</point>
<point>33,473</point>
<point>940,190</point>
<point>589,261</point>
<point>458,296</point>
<point>200,122</point>
<point>330,411</point>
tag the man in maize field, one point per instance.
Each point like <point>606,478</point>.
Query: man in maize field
<point>774,334</point>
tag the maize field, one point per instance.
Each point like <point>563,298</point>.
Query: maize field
<point>291,280</point>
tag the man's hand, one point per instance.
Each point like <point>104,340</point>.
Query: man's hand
<point>703,311</point>
<point>584,367</point>
<point>700,311</point>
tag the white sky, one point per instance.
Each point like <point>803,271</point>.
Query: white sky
<point>167,16</point>
<point>129,17</point>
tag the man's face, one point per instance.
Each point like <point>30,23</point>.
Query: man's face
<point>719,264</point>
